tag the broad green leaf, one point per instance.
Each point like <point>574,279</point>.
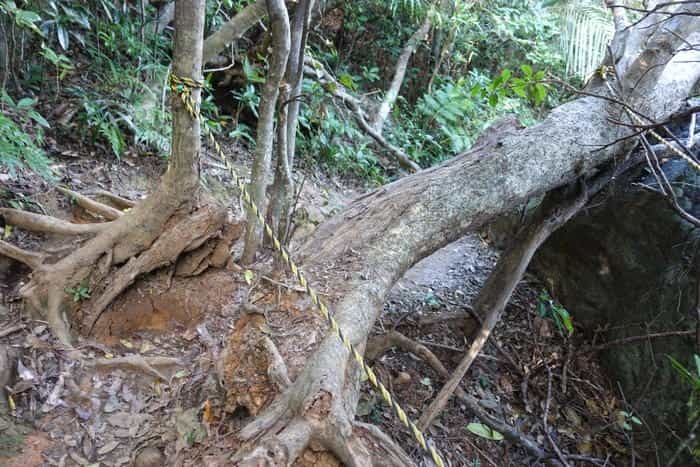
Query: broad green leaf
<point>37,117</point>
<point>540,93</point>
<point>63,37</point>
<point>25,103</point>
<point>527,70</point>
<point>519,91</point>
<point>347,81</point>
<point>493,100</point>
<point>566,319</point>
<point>248,275</point>
<point>484,431</point>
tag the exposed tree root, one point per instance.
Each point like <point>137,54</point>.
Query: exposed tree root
<point>47,224</point>
<point>312,412</point>
<point>108,212</point>
<point>31,259</point>
<point>136,242</point>
<point>185,235</point>
<point>116,200</point>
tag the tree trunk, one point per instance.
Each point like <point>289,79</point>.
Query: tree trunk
<point>233,30</point>
<point>281,190</point>
<point>557,208</point>
<point>380,235</point>
<point>392,93</point>
<point>153,234</point>
<point>266,122</point>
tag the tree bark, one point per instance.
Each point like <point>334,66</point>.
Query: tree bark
<point>265,129</point>
<point>281,190</point>
<point>165,214</point>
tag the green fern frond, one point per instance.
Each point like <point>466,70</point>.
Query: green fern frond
<point>586,29</point>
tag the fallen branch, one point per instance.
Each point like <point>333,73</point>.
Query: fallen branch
<point>233,30</point>
<point>138,362</point>
<point>317,71</point>
<point>445,316</point>
<point>632,339</point>
<point>557,208</point>
<point>560,455</point>
<point>11,330</point>
<point>380,344</point>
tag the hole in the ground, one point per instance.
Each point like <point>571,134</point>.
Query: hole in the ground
<point>160,305</point>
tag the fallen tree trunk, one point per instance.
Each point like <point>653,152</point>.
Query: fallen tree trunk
<point>360,253</point>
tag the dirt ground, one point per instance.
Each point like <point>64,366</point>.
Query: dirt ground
<point>114,410</point>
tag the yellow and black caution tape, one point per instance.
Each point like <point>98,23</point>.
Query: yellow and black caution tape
<point>183,87</point>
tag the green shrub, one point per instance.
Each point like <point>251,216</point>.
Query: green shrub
<point>17,147</point>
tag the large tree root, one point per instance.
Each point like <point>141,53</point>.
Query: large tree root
<point>314,414</point>
<point>83,283</point>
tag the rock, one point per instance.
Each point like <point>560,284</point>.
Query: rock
<point>626,262</point>
<point>402,378</point>
<point>149,457</point>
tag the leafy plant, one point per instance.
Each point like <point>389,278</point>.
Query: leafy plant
<point>79,292</point>
<point>586,28</point>
<point>627,420</point>
<point>242,131</point>
<point>17,147</point>
<point>529,86</point>
<point>692,377</point>
<point>248,98</point>
<point>23,18</point>
<point>485,431</point>
<point>66,21</point>
<point>548,308</point>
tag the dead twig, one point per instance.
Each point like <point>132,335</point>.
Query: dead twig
<point>139,362</point>
<point>378,345</point>
<point>11,330</point>
<point>556,449</point>
<point>632,339</point>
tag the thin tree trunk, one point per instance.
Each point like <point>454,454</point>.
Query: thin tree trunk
<point>399,74</point>
<point>265,129</point>
<point>183,170</point>
<point>281,192</point>
<point>557,208</point>
<point>233,29</point>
